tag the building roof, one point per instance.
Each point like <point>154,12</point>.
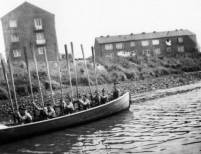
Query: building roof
<point>142,36</point>
<point>26,4</point>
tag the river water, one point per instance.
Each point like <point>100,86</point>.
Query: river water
<point>170,124</point>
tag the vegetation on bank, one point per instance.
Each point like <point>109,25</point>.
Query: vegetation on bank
<point>108,70</point>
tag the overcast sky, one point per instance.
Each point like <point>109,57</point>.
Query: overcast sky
<point>81,21</point>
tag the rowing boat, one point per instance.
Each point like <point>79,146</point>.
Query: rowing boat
<point>18,132</point>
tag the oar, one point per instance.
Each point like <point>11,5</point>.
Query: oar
<point>94,61</point>
<point>38,78</point>
<point>75,68</point>
<point>8,88</point>
<point>49,78</point>
<point>29,74</point>
<point>68,69</point>
<point>86,68</point>
<point>60,80</point>
<point>13,83</point>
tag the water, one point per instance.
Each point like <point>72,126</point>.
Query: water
<point>167,125</point>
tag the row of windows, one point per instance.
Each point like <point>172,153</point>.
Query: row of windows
<point>40,38</point>
<point>18,52</point>
<point>143,43</point>
<point>147,52</point>
<point>37,24</point>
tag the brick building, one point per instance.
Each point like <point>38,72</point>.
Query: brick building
<point>29,25</point>
<point>147,44</point>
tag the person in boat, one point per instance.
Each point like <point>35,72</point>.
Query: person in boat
<point>116,91</point>
<point>96,100</point>
<point>68,106</point>
<point>85,102</point>
<point>49,111</point>
<point>104,97</point>
<point>24,115</point>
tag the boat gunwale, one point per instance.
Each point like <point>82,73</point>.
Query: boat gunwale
<point>64,116</point>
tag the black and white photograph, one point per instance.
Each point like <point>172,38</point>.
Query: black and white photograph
<point>100,77</point>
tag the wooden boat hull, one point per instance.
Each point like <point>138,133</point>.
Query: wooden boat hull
<point>26,130</point>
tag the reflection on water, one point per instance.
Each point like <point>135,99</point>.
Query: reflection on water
<point>163,125</point>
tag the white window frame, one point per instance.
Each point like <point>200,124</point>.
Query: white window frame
<point>133,53</point>
<point>180,48</point>
<point>123,53</point>
<point>38,24</point>
<point>40,38</point>
<point>17,53</point>
<point>132,44</point>
<point>155,42</point>
<point>119,45</point>
<point>13,23</point>
<point>147,52</point>
<point>108,46</point>
<point>145,43</point>
<point>168,42</point>
<point>180,39</point>
<point>14,38</point>
<point>41,50</point>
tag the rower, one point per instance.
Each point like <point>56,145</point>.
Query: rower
<point>68,106</point>
<point>104,97</point>
<point>24,115</point>
<point>116,91</point>
<point>85,102</point>
<point>49,111</point>
<point>96,99</point>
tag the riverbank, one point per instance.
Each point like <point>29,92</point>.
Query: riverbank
<point>135,88</point>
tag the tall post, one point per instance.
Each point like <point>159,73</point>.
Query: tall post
<point>7,86</point>
<point>29,74</point>
<point>38,78</point>
<point>60,80</point>
<point>49,78</point>
<point>75,68</point>
<point>68,69</point>
<point>94,62</point>
<point>13,83</point>
<point>86,68</point>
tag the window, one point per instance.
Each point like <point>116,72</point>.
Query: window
<point>119,46</point>
<point>108,47</point>
<point>41,50</point>
<point>155,42</point>
<point>145,43</point>
<point>40,38</point>
<point>16,53</point>
<point>180,48</point>
<point>13,23</point>
<point>109,55</point>
<point>133,53</point>
<point>38,24</point>
<point>14,38</point>
<point>157,51</point>
<point>180,39</point>
<point>168,42</point>
<point>147,53</point>
<point>132,44</point>
<point>123,53</point>
<point>168,49</point>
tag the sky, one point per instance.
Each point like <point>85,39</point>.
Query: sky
<point>80,21</point>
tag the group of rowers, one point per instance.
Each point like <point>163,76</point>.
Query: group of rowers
<point>65,107</point>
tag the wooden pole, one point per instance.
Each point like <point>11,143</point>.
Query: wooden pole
<point>94,62</point>
<point>86,68</point>
<point>49,78</point>
<point>38,78</point>
<point>60,80</point>
<point>13,83</point>
<point>29,74</point>
<point>68,69</point>
<point>75,68</point>
<point>8,87</point>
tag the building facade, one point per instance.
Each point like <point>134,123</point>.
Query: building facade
<point>147,44</point>
<point>31,27</point>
